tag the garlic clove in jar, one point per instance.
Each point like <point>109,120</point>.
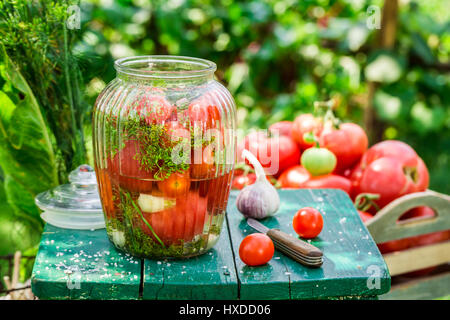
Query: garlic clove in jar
<point>149,203</point>
<point>260,199</point>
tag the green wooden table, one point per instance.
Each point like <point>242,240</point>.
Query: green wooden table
<point>74,264</point>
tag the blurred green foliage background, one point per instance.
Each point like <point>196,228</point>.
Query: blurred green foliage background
<point>276,58</point>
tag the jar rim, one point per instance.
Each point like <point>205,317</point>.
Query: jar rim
<point>181,66</point>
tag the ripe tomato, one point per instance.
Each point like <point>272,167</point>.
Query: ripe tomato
<point>355,175</point>
<point>106,192</point>
<point>348,143</point>
<point>394,245</point>
<point>256,249</point>
<point>423,177</point>
<point>275,154</point>
<point>203,112</point>
<point>126,170</point>
<point>390,149</point>
<point>153,108</point>
<point>175,185</point>
<point>386,177</point>
<point>294,177</point>
<point>308,222</point>
<point>303,124</point>
<point>318,161</point>
<point>365,216</point>
<point>283,128</point>
<point>418,212</point>
<point>202,165</point>
<point>181,222</point>
<point>176,133</point>
<point>328,181</point>
<point>240,181</point>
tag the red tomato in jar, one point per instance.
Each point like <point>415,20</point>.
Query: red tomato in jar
<point>177,224</point>
<point>348,143</point>
<point>202,163</point>
<point>303,124</point>
<point>153,108</point>
<point>126,169</point>
<point>204,112</point>
<point>294,177</point>
<point>275,154</point>
<point>176,133</point>
<point>256,249</point>
<point>283,128</point>
<point>308,223</point>
<point>175,185</point>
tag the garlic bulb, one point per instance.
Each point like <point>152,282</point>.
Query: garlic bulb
<point>260,199</point>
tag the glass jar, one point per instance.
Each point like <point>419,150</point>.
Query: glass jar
<point>164,148</point>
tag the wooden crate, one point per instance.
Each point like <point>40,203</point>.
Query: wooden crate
<point>386,227</point>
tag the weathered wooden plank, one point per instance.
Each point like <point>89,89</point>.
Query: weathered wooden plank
<point>425,288</point>
<point>209,276</point>
<point>83,264</point>
<point>418,258</point>
<point>350,254</point>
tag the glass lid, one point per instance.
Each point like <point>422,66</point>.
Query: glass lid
<point>80,196</point>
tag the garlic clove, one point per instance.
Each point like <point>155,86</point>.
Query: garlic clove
<point>149,203</point>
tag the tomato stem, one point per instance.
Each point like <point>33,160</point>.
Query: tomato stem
<point>364,201</point>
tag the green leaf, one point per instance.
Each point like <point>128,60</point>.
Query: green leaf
<point>26,152</point>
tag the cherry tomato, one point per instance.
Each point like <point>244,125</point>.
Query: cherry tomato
<point>294,177</point>
<point>318,161</point>
<point>308,222</point>
<point>303,124</point>
<point>240,181</point>
<point>283,128</point>
<point>154,108</point>
<point>175,185</point>
<point>275,154</point>
<point>348,143</point>
<point>256,249</point>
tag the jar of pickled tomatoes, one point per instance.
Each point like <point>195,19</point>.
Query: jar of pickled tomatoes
<point>164,151</point>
